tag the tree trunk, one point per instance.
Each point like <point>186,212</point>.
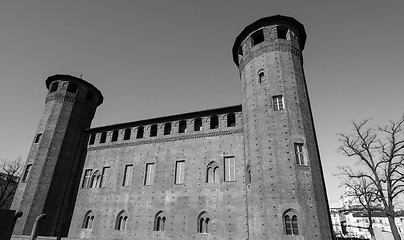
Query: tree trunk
<point>393,227</point>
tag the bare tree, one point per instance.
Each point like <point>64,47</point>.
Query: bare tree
<point>10,173</point>
<point>365,193</point>
<point>380,154</point>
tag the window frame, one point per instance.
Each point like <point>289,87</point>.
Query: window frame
<point>229,169</point>
<point>278,102</point>
<point>150,175</point>
<point>127,175</point>
<point>179,172</point>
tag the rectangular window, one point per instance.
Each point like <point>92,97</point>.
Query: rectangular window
<point>126,136</point>
<point>140,131</point>
<point>87,178</point>
<point>299,154</point>
<point>72,88</point>
<point>198,124</point>
<point>127,177</point>
<point>104,176</point>
<point>149,175</point>
<point>179,172</point>
<point>38,137</point>
<point>229,169</point>
<point>92,139</point>
<point>103,137</point>
<point>257,37</point>
<point>26,173</point>
<point>115,134</point>
<point>278,102</point>
<point>182,128</point>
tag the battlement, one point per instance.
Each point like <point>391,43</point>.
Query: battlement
<point>186,124</point>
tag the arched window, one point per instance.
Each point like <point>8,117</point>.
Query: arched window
<point>212,172</point>
<point>95,179</point>
<point>290,222</point>
<point>88,220</point>
<point>121,221</point>
<point>159,221</point>
<point>261,76</point>
<point>203,222</point>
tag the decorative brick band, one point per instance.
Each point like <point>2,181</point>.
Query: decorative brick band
<point>60,98</point>
<point>169,139</point>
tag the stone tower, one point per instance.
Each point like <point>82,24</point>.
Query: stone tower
<point>52,172</point>
<point>286,193</point>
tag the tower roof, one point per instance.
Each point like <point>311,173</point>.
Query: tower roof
<point>290,22</point>
<point>64,77</point>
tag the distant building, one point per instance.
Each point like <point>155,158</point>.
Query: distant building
<point>250,171</point>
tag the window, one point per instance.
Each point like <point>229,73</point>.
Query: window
<point>299,154</point>
<point>248,174</point>
<point>278,102</point>
<point>140,131</point>
<point>114,136</point>
<point>149,175</point>
<point>203,222</point>
<point>231,120</point>
<point>90,96</point>
<point>127,177</point>
<point>229,169</point>
<point>26,173</point>
<point>121,221</point>
<point>214,122</point>
<point>257,37</point>
<point>182,128</point>
<point>38,137</point>
<point>87,178</point>
<point>179,172</point>
<point>103,137</point>
<point>88,220</point>
<point>95,179</point>
<point>104,176</point>
<point>282,32</point>
<point>72,88</point>
<point>92,139</point>
<point>212,173</point>
<point>198,124</point>
<point>54,86</point>
<point>159,221</point>
<point>153,130</point>
<point>261,76</point>
<point>290,223</point>
<point>127,133</point>
<point>167,128</point>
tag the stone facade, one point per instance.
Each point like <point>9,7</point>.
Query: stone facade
<point>250,171</point>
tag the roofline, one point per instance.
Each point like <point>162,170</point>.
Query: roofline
<point>65,77</point>
<point>277,19</point>
<point>235,108</point>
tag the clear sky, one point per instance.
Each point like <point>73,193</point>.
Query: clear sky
<point>156,58</point>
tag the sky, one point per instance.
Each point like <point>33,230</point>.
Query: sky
<point>157,58</point>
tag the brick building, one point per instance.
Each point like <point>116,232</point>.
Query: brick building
<point>250,171</point>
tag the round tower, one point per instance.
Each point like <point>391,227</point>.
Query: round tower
<point>286,195</point>
<point>53,168</point>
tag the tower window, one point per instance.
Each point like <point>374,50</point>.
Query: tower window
<point>104,176</point>
<point>229,169</point>
<point>114,136</point>
<point>72,88</point>
<point>87,178</point>
<point>257,37</point>
<point>127,133</point>
<point>231,120</point>
<point>26,173</point>
<point>149,175</point>
<point>121,221</point>
<point>54,86</point>
<point>179,172</point>
<point>153,130</point>
<point>248,174</point>
<point>282,32</point>
<point>127,176</point>
<point>92,139</point>
<point>140,131</point>
<point>198,124</point>
<point>95,179</point>
<point>38,138</point>
<point>203,223</point>
<point>290,223</point>
<point>261,76</point>
<point>88,220</point>
<point>212,173</point>
<point>159,221</point>
<point>278,102</point>
<point>214,122</point>
<point>103,137</point>
<point>299,154</point>
<point>167,128</point>
<point>182,126</point>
